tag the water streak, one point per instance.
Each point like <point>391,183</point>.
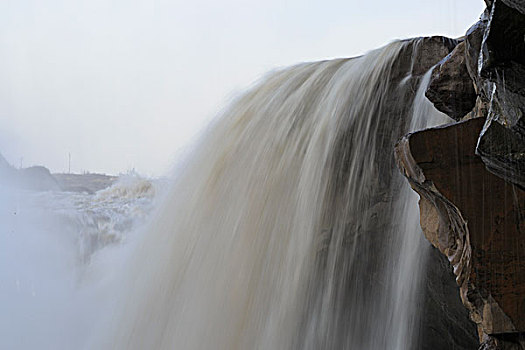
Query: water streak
<point>290,227</point>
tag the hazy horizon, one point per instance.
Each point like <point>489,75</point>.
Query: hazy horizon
<point>125,85</point>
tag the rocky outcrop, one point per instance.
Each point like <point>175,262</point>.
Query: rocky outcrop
<point>493,55</point>
<point>502,72</point>
<point>471,175</point>
<point>451,90</point>
<point>421,54</point>
<point>446,323</point>
<point>477,220</point>
<point>518,5</point>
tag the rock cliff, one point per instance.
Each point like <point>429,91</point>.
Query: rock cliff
<point>470,175</point>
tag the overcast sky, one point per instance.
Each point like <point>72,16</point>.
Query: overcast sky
<point>124,84</point>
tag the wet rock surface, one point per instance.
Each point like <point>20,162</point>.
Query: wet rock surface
<point>505,342</point>
<point>493,55</point>
<point>426,52</point>
<point>501,76</point>
<point>474,218</point>
<point>516,4</point>
<point>446,324</point>
<point>451,89</point>
<point>503,152</point>
<point>471,175</point>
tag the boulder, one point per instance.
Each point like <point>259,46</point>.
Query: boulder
<point>451,90</point>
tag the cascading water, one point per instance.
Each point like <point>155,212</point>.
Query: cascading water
<point>290,227</point>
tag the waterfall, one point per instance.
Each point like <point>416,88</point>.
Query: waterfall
<point>290,227</point>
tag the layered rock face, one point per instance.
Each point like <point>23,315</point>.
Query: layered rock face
<point>473,217</point>
<point>493,57</point>
<point>470,175</point>
<point>501,67</point>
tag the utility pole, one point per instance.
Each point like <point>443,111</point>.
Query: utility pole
<point>21,161</point>
<point>69,167</point>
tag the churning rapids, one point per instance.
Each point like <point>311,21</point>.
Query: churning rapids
<point>289,228</point>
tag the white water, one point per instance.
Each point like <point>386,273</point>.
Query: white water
<point>263,241</point>
<point>49,246</point>
<point>284,231</point>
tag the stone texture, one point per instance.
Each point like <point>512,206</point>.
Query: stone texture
<point>506,342</point>
<point>474,218</point>
<point>419,55</point>
<point>503,38</point>
<point>451,90</point>
<point>471,176</point>
<point>501,77</point>
<point>518,5</point>
<point>473,41</point>
<point>503,151</point>
<point>446,323</point>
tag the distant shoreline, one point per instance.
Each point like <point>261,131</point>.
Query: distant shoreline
<point>90,183</point>
<point>39,178</point>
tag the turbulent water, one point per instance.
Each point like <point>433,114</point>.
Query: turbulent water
<point>288,228</point>
<point>49,243</point>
